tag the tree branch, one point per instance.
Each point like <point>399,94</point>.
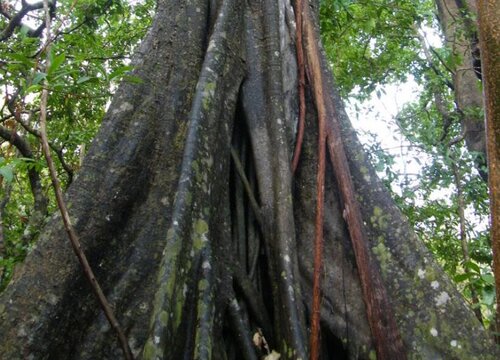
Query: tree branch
<point>16,20</point>
<point>241,331</point>
<point>40,200</point>
<point>59,151</point>
<point>427,49</point>
<point>448,83</point>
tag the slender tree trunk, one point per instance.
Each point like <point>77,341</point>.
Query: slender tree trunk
<point>190,272</point>
<point>463,236</point>
<point>3,203</point>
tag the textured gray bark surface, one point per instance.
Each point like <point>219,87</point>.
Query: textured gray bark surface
<point>457,21</point>
<point>173,240</point>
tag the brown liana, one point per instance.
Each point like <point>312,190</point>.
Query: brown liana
<point>74,239</point>
<point>385,333</point>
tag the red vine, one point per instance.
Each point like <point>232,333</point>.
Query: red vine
<point>320,182</point>
<point>302,83</point>
<point>387,339</point>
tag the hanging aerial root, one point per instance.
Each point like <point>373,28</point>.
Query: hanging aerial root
<point>245,288</point>
<point>302,83</point>
<point>385,333</point>
<point>320,181</point>
<point>246,184</point>
<point>241,331</point>
<point>186,305</point>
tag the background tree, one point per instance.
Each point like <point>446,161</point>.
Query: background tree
<point>93,41</point>
<point>458,21</point>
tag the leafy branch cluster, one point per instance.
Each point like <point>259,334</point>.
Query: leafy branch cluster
<point>91,45</point>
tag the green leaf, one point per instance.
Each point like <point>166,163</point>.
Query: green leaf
<point>21,58</point>
<point>24,30</point>
<point>33,89</point>
<point>119,72</point>
<point>133,79</point>
<point>488,295</point>
<point>7,173</point>
<point>39,76</point>
<point>488,278</point>
<point>461,277</point>
<point>473,267</point>
<point>370,24</point>
<point>84,79</point>
<point>56,62</point>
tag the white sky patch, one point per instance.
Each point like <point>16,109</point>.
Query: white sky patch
<point>374,120</point>
<point>431,37</point>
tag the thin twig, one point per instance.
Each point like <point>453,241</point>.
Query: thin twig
<point>75,242</point>
<point>457,178</point>
<point>253,203</point>
<point>16,20</point>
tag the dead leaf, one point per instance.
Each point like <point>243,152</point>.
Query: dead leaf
<point>257,339</point>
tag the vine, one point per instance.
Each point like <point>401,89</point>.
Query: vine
<point>386,336</point>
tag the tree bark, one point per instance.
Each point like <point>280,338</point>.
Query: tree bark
<point>489,31</point>
<point>189,271</point>
<point>460,33</point>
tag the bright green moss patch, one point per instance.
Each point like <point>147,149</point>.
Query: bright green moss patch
<point>200,228</point>
<point>383,256</point>
<point>150,351</point>
<point>379,219</point>
<point>164,318</point>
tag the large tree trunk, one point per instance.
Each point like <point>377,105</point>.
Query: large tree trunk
<point>191,268</point>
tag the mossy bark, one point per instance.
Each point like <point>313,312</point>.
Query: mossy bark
<point>192,269</point>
